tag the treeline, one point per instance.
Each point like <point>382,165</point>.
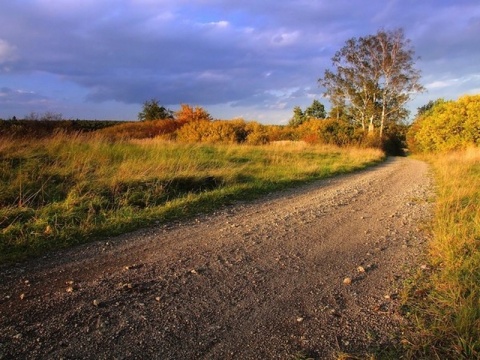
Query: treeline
<point>28,128</point>
<point>238,131</point>
<point>195,125</point>
<point>446,125</point>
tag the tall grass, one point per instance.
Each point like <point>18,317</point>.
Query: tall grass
<point>67,189</point>
<point>447,302</point>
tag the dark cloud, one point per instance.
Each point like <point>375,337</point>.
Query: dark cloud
<point>263,54</point>
<point>9,98</point>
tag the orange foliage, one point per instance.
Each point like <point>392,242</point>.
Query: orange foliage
<point>141,130</point>
<point>188,113</point>
<point>328,131</point>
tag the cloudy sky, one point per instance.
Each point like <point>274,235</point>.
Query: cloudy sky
<point>256,59</point>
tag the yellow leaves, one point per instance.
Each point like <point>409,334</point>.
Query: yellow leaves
<point>448,126</point>
<point>220,131</point>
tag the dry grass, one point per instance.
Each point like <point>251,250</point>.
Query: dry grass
<point>71,188</point>
<point>447,303</point>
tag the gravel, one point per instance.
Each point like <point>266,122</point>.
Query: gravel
<point>315,270</point>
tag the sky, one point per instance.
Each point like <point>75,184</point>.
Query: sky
<point>250,59</point>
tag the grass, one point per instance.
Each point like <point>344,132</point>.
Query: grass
<point>445,302</point>
<point>72,188</point>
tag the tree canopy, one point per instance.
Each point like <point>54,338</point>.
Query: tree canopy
<point>314,111</point>
<point>373,78</point>
<point>152,110</point>
<point>188,113</point>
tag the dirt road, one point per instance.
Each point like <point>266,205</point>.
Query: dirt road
<point>261,280</point>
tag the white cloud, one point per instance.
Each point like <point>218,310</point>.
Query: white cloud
<point>220,24</point>
<point>285,38</point>
<point>213,76</point>
<point>7,51</point>
<point>438,85</point>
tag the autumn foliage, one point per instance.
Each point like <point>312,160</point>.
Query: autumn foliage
<point>141,129</point>
<point>195,125</point>
<point>447,125</point>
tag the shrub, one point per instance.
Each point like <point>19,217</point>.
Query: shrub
<point>188,113</point>
<point>328,131</point>
<point>141,130</point>
<point>448,125</point>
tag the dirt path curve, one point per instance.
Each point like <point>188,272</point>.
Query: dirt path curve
<point>262,280</point>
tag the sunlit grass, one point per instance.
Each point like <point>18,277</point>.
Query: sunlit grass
<point>69,189</point>
<point>447,303</point>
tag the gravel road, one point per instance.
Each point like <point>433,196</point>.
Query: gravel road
<point>261,280</point>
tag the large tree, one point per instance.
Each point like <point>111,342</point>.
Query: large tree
<point>374,78</point>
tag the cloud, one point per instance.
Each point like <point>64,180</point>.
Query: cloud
<point>7,52</point>
<point>9,98</point>
<point>213,52</point>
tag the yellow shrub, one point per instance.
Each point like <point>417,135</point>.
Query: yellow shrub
<point>449,125</point>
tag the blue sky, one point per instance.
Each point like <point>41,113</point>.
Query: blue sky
<point>101,59</point>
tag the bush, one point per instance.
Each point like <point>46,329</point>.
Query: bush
<point>448,125</point>
<point>141,130</point>
<point>212,132</point>
<point>328,131</point>
<point>43,128</point>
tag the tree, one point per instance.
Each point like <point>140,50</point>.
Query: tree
<point>188,113</point>
<point>316,110</point>
<point>298,117</point>
<point>374,79</point>
<point>153,111</point>
<point>422,110</point>
<point>47,116</point>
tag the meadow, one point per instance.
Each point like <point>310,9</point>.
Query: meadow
<point>445,299</point>
<point>70,188</point>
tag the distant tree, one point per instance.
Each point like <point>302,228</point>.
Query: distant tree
<point>47,116</point>
<point>153,111</point>
<point>316,110</point>
<point>52,116</point>
<point>298,117</point>
<point>339,112</point>
<point>374,78</point>
<point>422,110</point>
<point>188,113</point>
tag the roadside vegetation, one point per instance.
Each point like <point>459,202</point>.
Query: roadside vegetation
<point>66,189</point>
<point>444,299</point>
<point>65,182</point>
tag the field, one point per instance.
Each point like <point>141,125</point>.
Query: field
<point>70,188</point>
<point>67,189</point>
<point>445,299</point>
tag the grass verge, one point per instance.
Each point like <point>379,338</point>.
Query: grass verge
<point>71,188</point>
<point>445,301</point>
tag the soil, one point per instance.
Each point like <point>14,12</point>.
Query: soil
<point>267,279</point>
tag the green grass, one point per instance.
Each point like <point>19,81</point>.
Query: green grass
<point>69,189</point>
<point>445,302</point>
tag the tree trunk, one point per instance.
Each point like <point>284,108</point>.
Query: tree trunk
<point>371,127</point>
<point>382,120</point>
